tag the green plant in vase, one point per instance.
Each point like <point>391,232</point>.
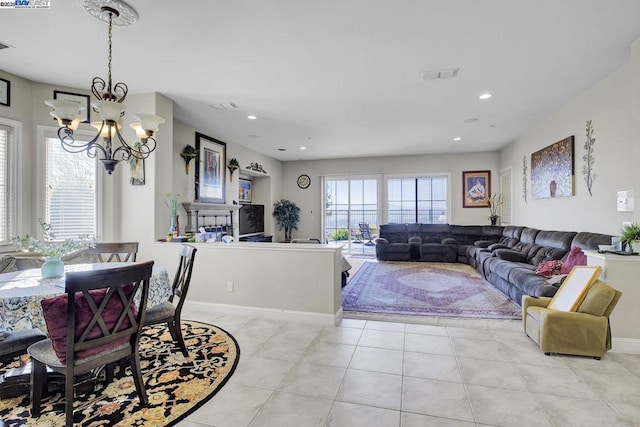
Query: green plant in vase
<point>629,235</point>
<point>494,203</point>
<point>53,250</point>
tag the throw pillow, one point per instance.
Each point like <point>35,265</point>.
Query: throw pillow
<point>55,317</point>
<point>549,268</point>
<point>575,257</point>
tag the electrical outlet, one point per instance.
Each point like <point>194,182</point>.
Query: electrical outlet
<point>230,286</point>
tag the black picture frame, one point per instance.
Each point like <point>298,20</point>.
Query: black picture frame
<point>210,175</point>
<point>5,92</point>
<point>83,100</point>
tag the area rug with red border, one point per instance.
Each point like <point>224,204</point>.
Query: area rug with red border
<point>430,289</point>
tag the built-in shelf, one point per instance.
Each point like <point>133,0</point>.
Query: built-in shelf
<point>249,172</point>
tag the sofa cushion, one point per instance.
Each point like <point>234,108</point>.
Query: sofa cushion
<point>597,300</point>
<point>510,255</point>
<point>555,239</point>
<point>495,246</point>
<point>585,240</point>
<point>575,257</point>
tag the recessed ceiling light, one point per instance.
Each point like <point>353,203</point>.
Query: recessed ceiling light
<point>457,138</point>
<point>282,149</point>
<point>303,148</point>
<point>486,95</point>
<point>252,117</point>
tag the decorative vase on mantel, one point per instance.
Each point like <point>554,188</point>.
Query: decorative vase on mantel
<point>52,268</point>
<point>494,219</point>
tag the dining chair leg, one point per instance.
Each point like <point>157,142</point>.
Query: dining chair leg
<point>177,336</point>
<point>38,381</point>
<point>134,362</point>
<point>68,403</point>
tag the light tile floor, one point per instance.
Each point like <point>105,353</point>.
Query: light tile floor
<point>454,372</point>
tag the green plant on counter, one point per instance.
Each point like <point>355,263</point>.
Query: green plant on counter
<point>51,248</point>
<point>629,235</point>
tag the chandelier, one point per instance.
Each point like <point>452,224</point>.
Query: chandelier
<point>109,105</point>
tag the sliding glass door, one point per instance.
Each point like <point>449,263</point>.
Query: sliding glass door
<point>351,212</point>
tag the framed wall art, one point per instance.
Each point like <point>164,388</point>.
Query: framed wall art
<point>83,100</point>
<point>244,190</point>
<point>552,170</point>
<point>136,168</point>
<point>211,170</point>
<point>476,189</point>
<point>5,92</point>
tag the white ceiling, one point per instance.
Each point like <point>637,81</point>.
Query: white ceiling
<point>342,77</point>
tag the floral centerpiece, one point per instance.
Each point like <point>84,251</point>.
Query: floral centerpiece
<point>494,203</point>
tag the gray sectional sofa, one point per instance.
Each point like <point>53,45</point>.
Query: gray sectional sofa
<point>506,257</point>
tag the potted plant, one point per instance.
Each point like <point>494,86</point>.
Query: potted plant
<point>629,235</point>
<point>493,203</point>
<point>53,250</point>
<point>287,215</point>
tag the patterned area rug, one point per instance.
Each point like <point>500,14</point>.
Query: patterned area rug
<point>176,386</point>
<point>431,289</point>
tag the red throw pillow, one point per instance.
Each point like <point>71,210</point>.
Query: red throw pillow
<point>549,268</point>
<point>575,257</point>
<point>55,316</point>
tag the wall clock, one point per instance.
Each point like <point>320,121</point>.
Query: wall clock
<point>304,181</point>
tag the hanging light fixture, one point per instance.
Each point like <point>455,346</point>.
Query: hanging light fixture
<point>109,105</point>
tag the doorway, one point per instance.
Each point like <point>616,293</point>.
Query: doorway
<point>351,213</point>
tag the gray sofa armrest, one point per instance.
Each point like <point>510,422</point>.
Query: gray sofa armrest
<point>449,241</point>
<point>510,255</point>
<point>415,240</point>
<point>496,246</point>
<point>380,241</point>
<point>482,243</point>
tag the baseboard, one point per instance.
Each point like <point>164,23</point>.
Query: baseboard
<point>270,313</point>
<point>625,345</point>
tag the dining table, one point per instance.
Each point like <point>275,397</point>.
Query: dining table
<point>22,291</point>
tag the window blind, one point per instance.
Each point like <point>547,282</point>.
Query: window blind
<point>6,193</point>
<point>70,192</point>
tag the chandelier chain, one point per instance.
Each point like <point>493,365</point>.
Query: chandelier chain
<point>110,55</point>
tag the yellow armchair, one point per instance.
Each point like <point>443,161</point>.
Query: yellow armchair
<point>585,332</point>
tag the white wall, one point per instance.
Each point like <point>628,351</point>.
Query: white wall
<point>309,200</point>
<point>609,105</point>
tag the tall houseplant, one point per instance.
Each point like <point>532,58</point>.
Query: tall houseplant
<point>494,203</point>
<point>287,215</point>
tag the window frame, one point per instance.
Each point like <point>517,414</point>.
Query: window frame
<point>44,132</point>
<point>14,144</point>
<point>445,175</point>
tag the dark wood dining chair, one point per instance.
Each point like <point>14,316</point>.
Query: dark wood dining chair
<point>94,323</point>
<point>115,251</point>
<point>16,343</point>
<point>169,312</point>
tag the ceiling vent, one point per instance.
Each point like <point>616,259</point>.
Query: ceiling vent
<point>447,73</point>
<point>225,106</point>
<point>4,46</point>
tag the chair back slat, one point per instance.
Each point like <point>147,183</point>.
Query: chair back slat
<point>115,251</point>
<point>109,296</point>
<point>183,274</point>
